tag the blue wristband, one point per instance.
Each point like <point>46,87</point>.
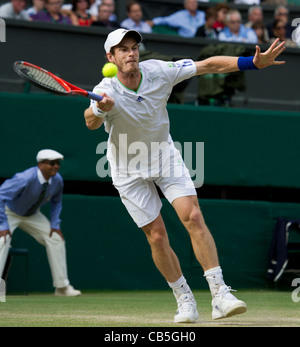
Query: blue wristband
<point>246,63</point>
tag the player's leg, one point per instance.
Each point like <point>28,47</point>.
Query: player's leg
<point>224,303</point>
<point>142,201</point>
<point>188,211</point>
<point>163,255</point>
<point>167,263</point>
<point>204,247</point>
<point>180,191</point>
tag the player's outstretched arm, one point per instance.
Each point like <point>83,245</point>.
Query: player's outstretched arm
<point>225,64</point>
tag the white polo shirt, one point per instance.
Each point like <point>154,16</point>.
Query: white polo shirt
<point>139,120</point>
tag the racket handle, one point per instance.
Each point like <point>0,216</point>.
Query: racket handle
<point>94,96</point>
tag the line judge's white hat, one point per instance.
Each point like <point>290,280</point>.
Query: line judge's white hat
<point>48,154</point>
<point>116,36</point>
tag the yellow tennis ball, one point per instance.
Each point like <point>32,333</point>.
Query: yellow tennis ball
<point>109,70</point>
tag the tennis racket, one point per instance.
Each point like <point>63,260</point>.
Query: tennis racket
<point>48,81</point>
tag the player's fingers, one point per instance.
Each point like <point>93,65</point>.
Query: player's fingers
<point>280,45</point>
<point>107,104</point>
<point>256,55</point>
<point>281,62</point>
<point>104,101</point>
<point>279,49</point>
<point>273,45</point>
<point>257,50</point>
<point>99,102</point>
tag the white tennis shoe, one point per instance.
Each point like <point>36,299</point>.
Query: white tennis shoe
<point>187,309</point>
<point>226,305</point>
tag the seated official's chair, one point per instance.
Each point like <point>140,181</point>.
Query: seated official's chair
<point>16,252</point>
<point>284,256</point>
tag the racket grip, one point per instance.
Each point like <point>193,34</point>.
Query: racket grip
<point>94,96</point>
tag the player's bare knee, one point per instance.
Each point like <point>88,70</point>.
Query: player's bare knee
<point>194,219</point>
<point>158,239</point>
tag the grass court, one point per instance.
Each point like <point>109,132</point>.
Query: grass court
<point>267,308</point>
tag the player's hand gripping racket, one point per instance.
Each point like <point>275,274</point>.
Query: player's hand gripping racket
<point>46,80</point>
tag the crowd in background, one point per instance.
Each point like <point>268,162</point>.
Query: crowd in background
<point>218,22</point>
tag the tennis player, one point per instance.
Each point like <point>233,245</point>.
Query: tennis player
<point>134,112</point>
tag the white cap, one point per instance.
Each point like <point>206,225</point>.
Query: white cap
<point>116,36</point>
<point>48,154</point>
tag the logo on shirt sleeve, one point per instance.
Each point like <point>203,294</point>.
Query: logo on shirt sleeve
<point>183,63</point>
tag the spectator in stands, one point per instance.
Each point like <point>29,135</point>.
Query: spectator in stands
<point>134,19</point>
<point>20,200</point>
<point>111,4</point>
<point>94,8</point>
<point>187,21</point>
<point>235,31</point>
<point>260,30</point>
<point>104,18</point>
<point>14,9</point>
<point>256,16</point>
<point>207,29</point>
<point>222,10</point>
<point>281,12</point>
<point>38,5</point>
<point>279,30</point>
<point>79,14</point>
<point>52,13</point>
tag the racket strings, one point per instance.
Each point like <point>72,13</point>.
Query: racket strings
<point>42,78</point>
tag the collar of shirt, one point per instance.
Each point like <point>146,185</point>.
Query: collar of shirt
<point>41,178</point>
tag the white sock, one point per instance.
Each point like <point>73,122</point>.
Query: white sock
<point>214,278</point>
<point>180,287</point>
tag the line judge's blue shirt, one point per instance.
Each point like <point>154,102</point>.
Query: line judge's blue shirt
<point>21,191</point>
<point>187,24</point>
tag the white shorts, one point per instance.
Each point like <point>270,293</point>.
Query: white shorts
<point>139,193</point>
